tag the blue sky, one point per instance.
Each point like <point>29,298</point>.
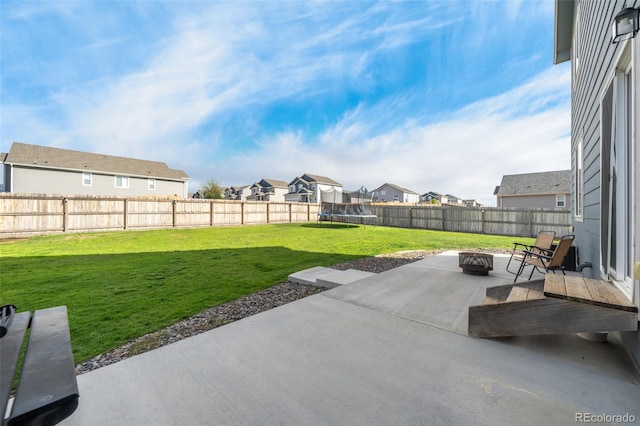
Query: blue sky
<point>443,96</point>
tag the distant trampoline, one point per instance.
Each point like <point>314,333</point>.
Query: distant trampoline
<point>350,208</point>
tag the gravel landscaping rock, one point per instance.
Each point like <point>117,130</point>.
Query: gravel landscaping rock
<point>252,304</point>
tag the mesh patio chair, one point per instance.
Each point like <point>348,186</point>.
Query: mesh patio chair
<point>544,241</point>
<point>547,260</point>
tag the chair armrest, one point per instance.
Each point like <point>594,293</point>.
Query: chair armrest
<point>515,245</point>
<point>546,251</point>
<point>537,254</point>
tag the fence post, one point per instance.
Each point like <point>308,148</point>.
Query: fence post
<point>65,216</point>
<point>211,213</point>
<point>267,205</point>
<point>290,215</point>
<point>531,234</point>
<point>174,214</point>
<point>444,218</point>
<point>410,217</point>
<point>242,213</point>
<point>125,213</point>
<point>308,212</point>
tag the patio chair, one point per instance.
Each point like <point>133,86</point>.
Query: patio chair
<point>549,260</point>
<point>544,240</point>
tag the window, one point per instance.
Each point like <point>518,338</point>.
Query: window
<point>122,182</point>
<point>396,197</point>
<point>292,188</point>
<point>578,180</point>
<point>151,184</point>
<point>560,200</point>
<point>87,179</point>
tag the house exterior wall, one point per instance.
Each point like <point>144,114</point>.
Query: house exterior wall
<point>390,194</point>
<point>589,83</point>
<point>532,201</point>
<point>278,195</point>
<point>594,60</point>
<point>50,181</point>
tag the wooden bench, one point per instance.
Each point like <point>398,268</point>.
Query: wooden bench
<point>47,390</point>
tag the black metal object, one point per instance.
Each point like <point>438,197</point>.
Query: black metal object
<point>473,263</point>
<point>571,260</point>
<point>47,390</point>
<point>6,317</point>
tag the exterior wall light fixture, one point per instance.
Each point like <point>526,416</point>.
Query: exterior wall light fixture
<point>625,25</point>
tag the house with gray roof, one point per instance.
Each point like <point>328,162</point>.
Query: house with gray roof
<point>388,192</point>
<point>308,188</point>
<point>237,193</point>
<point>544,190</point>
<point>272,190</point>
<point>46,170</point>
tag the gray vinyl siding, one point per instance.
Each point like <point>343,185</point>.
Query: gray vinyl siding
<point>389,194</point>
<point>48,181</point>
<point>533,201</point>
<point>596,58</point>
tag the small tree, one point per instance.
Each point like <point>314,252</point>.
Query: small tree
<point>212,190</point>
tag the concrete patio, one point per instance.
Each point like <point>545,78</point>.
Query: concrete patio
<point>387,349</point>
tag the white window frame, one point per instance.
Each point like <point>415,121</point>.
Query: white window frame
<point>87,176</point>
<point>561,201</point>
<point>124,181</point>
<point>617,269</point>
<point>151,184</point>
<point>578,176</point>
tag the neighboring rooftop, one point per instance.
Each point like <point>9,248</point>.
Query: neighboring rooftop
<point>399,188</point>
<point>58,158</point>
<point>319,179</point>
<point>556,182</point>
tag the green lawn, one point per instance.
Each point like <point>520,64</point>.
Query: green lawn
<point>120,285</point>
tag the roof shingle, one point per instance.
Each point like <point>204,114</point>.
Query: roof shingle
<point>57,158</point>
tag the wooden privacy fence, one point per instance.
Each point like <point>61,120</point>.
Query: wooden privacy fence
<point>496,221</point>
<point>28,213</point>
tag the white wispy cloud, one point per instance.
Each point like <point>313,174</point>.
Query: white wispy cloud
<point>466,154</point>
<point>196,97</point>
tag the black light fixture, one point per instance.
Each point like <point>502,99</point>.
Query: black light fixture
<point>625,24</point>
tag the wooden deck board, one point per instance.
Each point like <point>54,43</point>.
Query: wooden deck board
<point>594,292</point>
<point>607,294</point>
<point>577,290</point>
<point>554,286</point>
<point>517,294</point>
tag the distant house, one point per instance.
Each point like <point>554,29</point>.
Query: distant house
<point>308,188</point>
<point>472,203</point>
<point>452,199</point>
<point>47,170</point>
<point>389,192</point>
<point>430,196</point>
<point>547,190</point>
<point>237,193</point>
<point>268,190</point>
